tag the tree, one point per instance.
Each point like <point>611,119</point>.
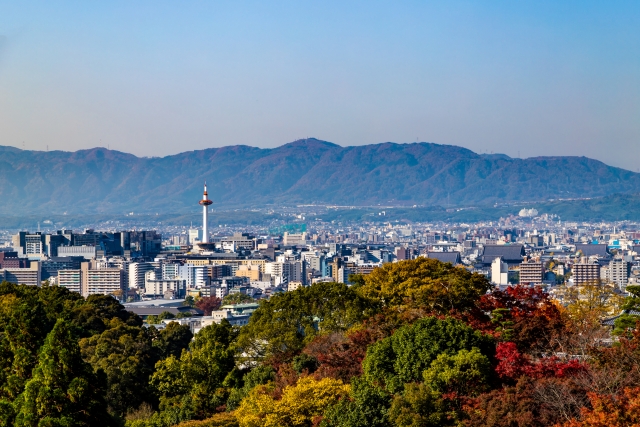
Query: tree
<point>426,283</point>
<point>155,320</point>
<point>340,356</point>
<point>172,340</point>
<point>402,357</point>
<point>189,301</point>
<point>591,300</point>
<point>124,354</point>
<point>92,316</point>
<point>208,304</point>
<point>627,321</point>
<point>23,329</point>
<point>419,406</point>
<point>260,375</point>
<point>523,315</point>
<point>282,325</point>
<point>63,391</point>
<point>466,373</point>
<point>505,407</point>
<point>367,406</point>
<point>302,404</point>
<point>512,365</point>
<point>610,411</point>
<point>192,386</point>
<point>236,298</point>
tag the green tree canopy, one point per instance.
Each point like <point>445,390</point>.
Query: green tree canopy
<point>172,340</point>
<point>283,324</point>
<point>64,390</point>
<point>628,319</point>
<point>427,283</point>
<point>236,298</point>
<point>192,386</point>
<point>124,354</point>
<point>465,373</point>
<point>402,357</point>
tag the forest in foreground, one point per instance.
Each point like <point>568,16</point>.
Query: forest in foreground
<point>415,343</point>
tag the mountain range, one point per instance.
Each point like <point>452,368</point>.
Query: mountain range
<point>306,171</point>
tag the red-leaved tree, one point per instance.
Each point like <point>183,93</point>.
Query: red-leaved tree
<point>208,304</point>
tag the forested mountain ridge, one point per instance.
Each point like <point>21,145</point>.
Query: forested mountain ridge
<point>304,171</point>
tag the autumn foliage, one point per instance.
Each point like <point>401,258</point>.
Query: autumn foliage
<point>414,344</point>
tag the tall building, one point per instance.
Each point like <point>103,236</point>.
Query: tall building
<point>137,271</point>
<point>499,272</point>
<point>89,280</point>
<point>53,265</point>
<point>154,287</point>
<point>71,279</point>
<point>618,272</point>
<point>586,273</point>
<point>170,270</point>
<point>205,203</point>
<point>531,272</point>
<point>337,270</point>
<point>196,276</point>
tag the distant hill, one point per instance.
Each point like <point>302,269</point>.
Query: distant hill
<point>305,171</point>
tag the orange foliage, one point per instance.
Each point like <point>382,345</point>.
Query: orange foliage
<point>609,411</point>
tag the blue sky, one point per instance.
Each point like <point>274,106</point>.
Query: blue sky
<point>157,78</point>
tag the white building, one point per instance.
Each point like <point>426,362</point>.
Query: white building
<point>88,252</point>
<point>170,271</point>
<point>137,272</point>
<point>196,276</point>
<point>499,272</point>
<point>155,286</point>
<point>70,279</point>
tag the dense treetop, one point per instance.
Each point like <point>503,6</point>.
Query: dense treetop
<point>416,343</point>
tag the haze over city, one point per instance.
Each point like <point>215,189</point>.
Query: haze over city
<point>157,78</point>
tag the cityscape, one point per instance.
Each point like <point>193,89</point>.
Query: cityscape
<point>160,268</point>
<point>319,214</point>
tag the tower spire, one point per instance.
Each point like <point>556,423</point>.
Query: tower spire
<point>205,202</point>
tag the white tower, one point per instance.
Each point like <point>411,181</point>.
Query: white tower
<point>205,202</point>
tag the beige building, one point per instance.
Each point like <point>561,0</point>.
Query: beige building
<point>531,272</point>
<point>250,271</point>
<point>92,281</point>
<point>292,286</point>
<point>586,273</point>
<point>294,239</point>
<point>23,276</point>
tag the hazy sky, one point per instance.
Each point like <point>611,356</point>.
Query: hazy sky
<point>157,78</point>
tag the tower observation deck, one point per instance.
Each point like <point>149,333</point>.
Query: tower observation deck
<point>205,202</point>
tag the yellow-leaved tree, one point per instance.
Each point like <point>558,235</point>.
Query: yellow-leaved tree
<point>299,406</point>
<point>424,282</point>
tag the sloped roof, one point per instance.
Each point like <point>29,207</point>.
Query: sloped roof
<point>452,257</point>
<point>611,321</point>
<point>509,253</point>
<point>592,250</point>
